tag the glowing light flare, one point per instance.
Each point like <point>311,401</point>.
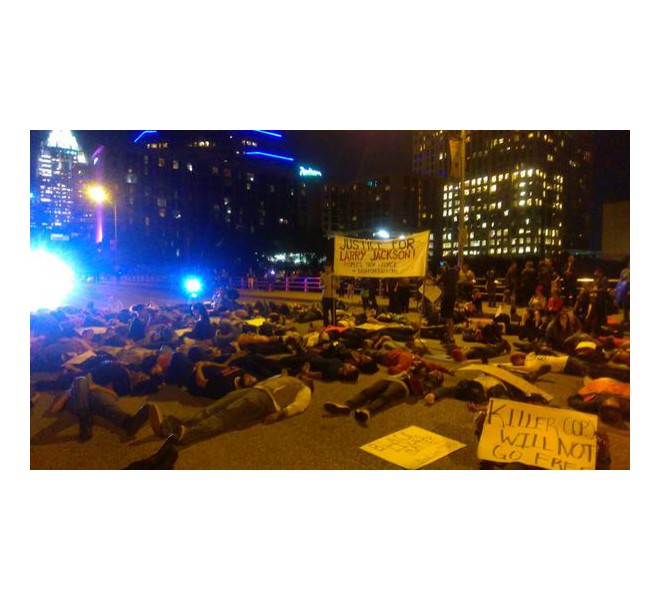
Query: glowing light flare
<point>193,286</point>
<point>97,193</point>
<point>50,280</point>
<point>383,234</point>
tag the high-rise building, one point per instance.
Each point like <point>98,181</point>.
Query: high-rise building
<point>526,192</point>
<point>398,204</point>
<point>210,196</point>
<point>60,208</point>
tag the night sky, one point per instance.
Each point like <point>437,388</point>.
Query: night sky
<point>348,155</point>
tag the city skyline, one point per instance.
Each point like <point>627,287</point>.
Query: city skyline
<point>347,155</point>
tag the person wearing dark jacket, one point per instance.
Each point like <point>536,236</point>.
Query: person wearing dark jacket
<point>448,282</point>
<point>203,329</point>
<point>139,324</point>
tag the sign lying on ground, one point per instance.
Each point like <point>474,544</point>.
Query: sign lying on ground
<point>517,382</point>
<point>412,448</point>
<point>399,257</point>
<point>538,436</point>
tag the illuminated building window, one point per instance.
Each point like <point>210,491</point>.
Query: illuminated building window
<point>175,164</point>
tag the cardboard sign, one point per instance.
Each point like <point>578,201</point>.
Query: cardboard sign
<point>538,436</point>
<point>256,322</point>
<point>96,330</point>
<point>412,448</point>
<point>431,291</point>
<point>78,360</point>
<point>517,382</point>
<point>398,257</point>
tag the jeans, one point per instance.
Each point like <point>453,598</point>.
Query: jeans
<point>97,401</point>
<point>328,310</point>
<point>379,395</point>
<point>233,411</point>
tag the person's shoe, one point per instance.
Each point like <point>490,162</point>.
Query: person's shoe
<point>85,424</point>
<point>156,420</point>
<point>85,420</point>
<point>538,373</point>
<point>337,408</point>
<point>362,415</point>
<point>164,458</point>
<point>132,424</point>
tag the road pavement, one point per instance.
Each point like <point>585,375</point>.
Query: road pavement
<point>312,440</point>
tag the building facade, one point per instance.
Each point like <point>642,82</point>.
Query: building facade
<point>526,192</point>
<point>59,209</point>
<point>205,197</point>
<point>396,204</point>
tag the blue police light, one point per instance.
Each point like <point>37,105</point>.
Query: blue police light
<point>50,280</point>
<point>193,286</point>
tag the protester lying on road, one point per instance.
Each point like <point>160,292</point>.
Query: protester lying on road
<point>416,382</point>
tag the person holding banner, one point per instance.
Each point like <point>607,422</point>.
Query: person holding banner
<point>448,282</point>
<point>329,286</point>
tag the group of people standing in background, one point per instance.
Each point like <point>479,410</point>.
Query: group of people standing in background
<point>535,293</point>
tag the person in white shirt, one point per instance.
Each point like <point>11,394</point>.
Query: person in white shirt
<point>267,401</point>
<point>537,364</point>
<point>329,287</point>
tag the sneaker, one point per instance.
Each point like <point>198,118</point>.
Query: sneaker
<point>85,424</point>
<point>362,415</point>
<point>538,373</point>
<point>164,458</point>
<point>179,433</point>
<point>156,420</point>
<point>85,421</point>
<point>337,408</point>
<point>132,424</point>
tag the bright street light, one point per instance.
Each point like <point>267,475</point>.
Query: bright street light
<point>99,195</point>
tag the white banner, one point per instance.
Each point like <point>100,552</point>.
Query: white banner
<point>400,257</point>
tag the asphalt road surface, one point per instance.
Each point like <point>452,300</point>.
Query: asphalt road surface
<point>311,440</point>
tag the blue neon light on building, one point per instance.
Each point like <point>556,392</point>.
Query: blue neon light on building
<point>271,133</point>
<point>288,158</point>
<point>143,133</point>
